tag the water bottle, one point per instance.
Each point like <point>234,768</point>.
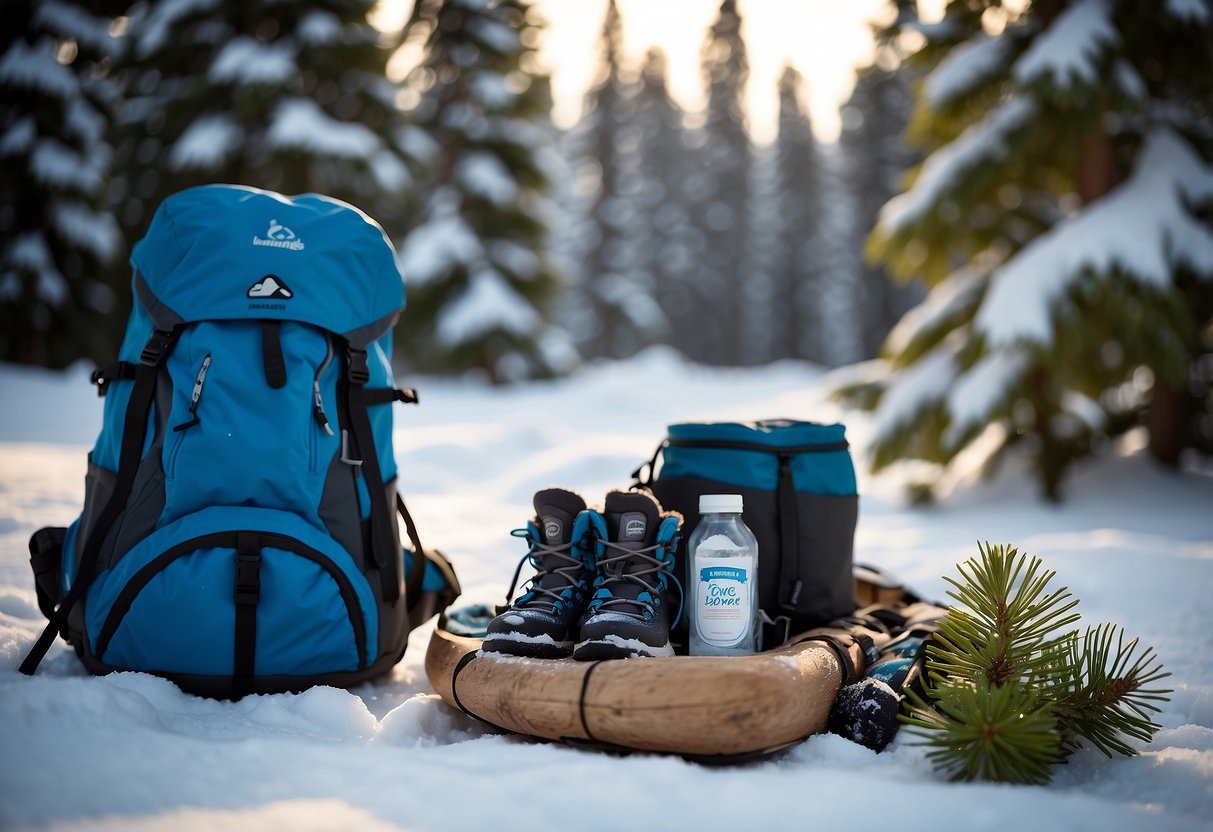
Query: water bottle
<point>723,575</point>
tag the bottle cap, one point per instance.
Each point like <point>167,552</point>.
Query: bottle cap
<point>720,504</point>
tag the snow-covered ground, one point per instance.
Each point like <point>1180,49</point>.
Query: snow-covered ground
<point>128,751</point>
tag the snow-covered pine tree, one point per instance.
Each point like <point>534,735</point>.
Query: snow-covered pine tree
<point>1068,172</point>
<point>721,212</point>
<point>625,316</point>
<point>666,241</point>
<point>55,236</point>
<point>875,158</point>
<point>475,261</point>
<point>795,314</point>
<point>287,96</point>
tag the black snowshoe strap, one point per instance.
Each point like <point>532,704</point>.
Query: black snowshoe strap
<point>841,642</point>
<point>134,431</point>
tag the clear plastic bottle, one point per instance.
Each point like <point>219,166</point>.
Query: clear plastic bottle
<point>723,578</point>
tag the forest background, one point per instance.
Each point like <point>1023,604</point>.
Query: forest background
<point>1035,176</point>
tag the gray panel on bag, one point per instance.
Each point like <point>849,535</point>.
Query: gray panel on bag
<point>827,534</point>
<point>339,509</point>
<point>98,488</point>
<point>394,620</point>
<point>340,512</point>
<point>147,498</point>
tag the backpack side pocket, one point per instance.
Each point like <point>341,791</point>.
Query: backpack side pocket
<point>46,559</point>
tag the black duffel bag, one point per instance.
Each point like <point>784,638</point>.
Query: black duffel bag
<point>798,485</point>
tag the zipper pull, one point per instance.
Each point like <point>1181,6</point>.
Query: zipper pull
<point>318,400</point>
<point>318,409</point>
<point>195,395</point>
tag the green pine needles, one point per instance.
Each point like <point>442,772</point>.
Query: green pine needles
<point>1010,690</point>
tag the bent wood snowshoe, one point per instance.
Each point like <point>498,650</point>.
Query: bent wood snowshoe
<point>701,707</point>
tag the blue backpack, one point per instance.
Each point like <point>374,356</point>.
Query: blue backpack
<point>239,530</point>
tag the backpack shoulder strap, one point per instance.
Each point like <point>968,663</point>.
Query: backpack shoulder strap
<point>134,431</point>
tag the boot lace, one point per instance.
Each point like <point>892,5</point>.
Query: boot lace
<point>542,596</point>
<point>650,566</point>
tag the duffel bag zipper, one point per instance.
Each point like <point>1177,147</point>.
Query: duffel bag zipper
<point>777,450</point>
<point>730,445</point>
<point>790,583</point>
<point>227,540</point>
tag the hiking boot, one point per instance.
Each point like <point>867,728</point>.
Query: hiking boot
<point>629,612</point>
<point>542,622</point>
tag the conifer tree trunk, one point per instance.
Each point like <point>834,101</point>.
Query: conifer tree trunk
<point>1096,175</point>
<point>1166,422</point>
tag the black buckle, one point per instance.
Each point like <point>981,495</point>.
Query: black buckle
<point>102,376</point>
<point>156,347</point>
<point>359,372</point>
<point>248,577</point>
<point>99,378</point>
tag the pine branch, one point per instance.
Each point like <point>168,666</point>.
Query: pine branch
<point>1112,693</point>
<point>1009,692</point>
<point>1002,628</point>
<point>987,732</point>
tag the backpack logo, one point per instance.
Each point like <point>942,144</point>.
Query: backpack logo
<point>279,236</point>
<point>270,286</point>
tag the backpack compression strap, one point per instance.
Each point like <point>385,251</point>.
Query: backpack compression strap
<point>134,431</point>
<point>416,577</point>
<point>385,547</point>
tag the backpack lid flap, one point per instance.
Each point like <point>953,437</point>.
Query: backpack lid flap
<point>223,252</point>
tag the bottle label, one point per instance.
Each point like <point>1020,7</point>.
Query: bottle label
<point>722,604</point>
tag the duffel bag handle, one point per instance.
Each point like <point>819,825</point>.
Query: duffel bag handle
<point>651,465</point>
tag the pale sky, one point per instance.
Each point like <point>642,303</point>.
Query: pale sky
<point>824,39</point>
